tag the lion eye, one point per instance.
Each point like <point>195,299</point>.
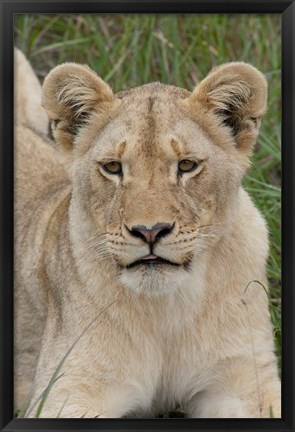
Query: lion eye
<point>186,166</point>
<point>113,167</point>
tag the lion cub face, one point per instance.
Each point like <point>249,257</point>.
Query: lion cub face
<point>156,170</point>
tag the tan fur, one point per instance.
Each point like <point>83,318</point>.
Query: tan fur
<point>143,339</point>
<point>27,91</point>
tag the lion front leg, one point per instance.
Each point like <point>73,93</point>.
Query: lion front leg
<point>89,401</point>
<point>209,404</point>
<point>240,389</point>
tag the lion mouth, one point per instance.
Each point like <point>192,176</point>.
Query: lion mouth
<point>152,260</point>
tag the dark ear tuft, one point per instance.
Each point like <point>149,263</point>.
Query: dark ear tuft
<point>71,92</point>
<point>237,94</point>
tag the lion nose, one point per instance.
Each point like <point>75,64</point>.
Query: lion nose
<point>151,235</point>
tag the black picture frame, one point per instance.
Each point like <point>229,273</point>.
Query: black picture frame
<point>287,10</point>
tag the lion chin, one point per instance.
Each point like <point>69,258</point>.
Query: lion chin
<point>166,278</point>
<point>154,281</point>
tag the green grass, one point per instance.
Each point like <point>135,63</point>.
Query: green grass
<point>130,50</point>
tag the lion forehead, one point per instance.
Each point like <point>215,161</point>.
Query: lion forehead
<point>153,123</point>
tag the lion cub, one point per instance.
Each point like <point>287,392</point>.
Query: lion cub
<point>136,246</point>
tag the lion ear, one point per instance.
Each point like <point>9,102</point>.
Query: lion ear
<point>237,94</point>
<point>71,92</point>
